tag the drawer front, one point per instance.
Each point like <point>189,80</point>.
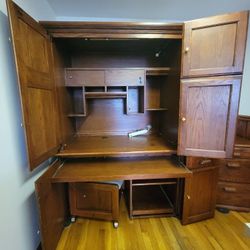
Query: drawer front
<point>125,77</point>
<point>235,170</point>
<point>233,194</point>
<point>84,78</point>
<point>240,152</point>
<point>199,162</point>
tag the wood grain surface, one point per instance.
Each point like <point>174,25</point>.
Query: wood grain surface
<point>225,231</point>
<point>119,169</point>
<point>120,146</point>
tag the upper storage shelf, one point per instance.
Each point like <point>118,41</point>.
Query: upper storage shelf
<point>104,77</point>
<point>116,30</point>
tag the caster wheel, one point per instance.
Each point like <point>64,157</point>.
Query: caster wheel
<point>73,219</point>
<point>115,224</point>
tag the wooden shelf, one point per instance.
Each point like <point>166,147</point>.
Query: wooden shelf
<point>80,170</point>
<point>150,201</point>
<point>153,182</point>
<point>150,71</point>
<point>156,109</point>
<point>117,146</point>
<point>76,115</point>
<point>158,71</point>
<point>90,95</point>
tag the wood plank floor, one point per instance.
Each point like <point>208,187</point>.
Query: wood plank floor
<point>225,231</point>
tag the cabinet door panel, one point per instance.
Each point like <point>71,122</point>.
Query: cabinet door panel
<point>124,77</point>
<point>200,195</point>
<point>85,77</point>
<point>208,115</point>
<point>214,45</point>
<point>52,207</point>
<point>33,56</point>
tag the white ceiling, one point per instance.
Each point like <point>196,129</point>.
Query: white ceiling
<point>143,9</point>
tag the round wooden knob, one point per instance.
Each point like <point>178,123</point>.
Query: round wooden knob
<point>84,196</point>
<point>70,77</point>
<point>188,197</point>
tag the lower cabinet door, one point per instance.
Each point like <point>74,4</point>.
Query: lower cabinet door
<point>94,200</point>
<point>52,207</point>
<point>200,195</point>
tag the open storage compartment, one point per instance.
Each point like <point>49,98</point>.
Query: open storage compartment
<point>119,81</point>
<point>77,107</point>
<point>153,197</point>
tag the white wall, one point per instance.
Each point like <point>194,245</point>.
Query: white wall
<point>18,211</point>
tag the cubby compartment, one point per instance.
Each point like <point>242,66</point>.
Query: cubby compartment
<point>156,92</point>
<point>97,89</point>
<point>77,102</point>
<point>117,89</point>
<point>135,100</point>
<point>153,197</point>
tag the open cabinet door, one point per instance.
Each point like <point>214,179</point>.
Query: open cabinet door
<point>214,45</point>
<point>208,115</point>
<point>33,56</point>
<point>212,65</point>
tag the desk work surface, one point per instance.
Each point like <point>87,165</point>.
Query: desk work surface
<point>116,146</point>
<point>119,169</point>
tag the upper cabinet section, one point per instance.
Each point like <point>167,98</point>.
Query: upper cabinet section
<point>33,57</point>
<point>214,45</point>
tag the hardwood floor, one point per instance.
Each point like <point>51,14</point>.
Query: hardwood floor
<point>225,231</point>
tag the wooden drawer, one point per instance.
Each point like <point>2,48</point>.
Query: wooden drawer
<point>234,195</point>
<point>241,152</point>
<point>199,162</point>
<point>235,170</point>
<point>125,77</point>
<point>84,77</point>
<point>94,200</point>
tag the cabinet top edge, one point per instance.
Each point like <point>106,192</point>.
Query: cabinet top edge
<point>112,25</point>
<point>220,16</point>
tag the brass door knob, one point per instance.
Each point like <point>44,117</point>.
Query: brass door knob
<point>186,49</point>
<point>188,197</point>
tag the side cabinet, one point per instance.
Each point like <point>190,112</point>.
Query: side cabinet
<point>200,192</point>
<point>52,200</point>
<point>234,175</point>
<point>212,65</point>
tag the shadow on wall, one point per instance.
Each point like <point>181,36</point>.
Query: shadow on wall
<point>30,208</point>
<point>19,203</point>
